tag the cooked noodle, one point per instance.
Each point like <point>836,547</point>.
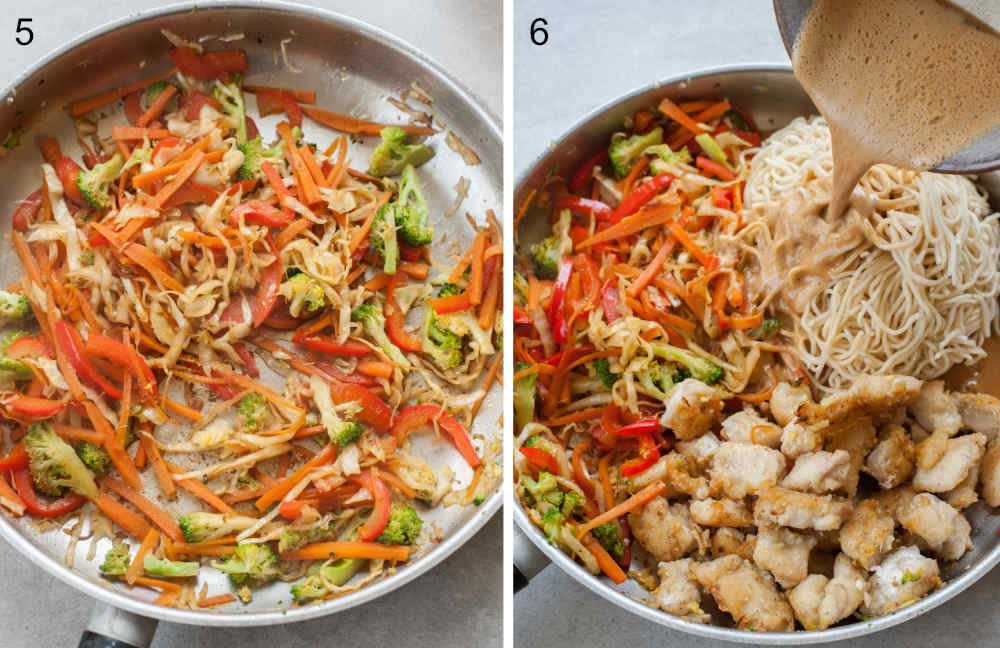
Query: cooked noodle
<point>919,296</point>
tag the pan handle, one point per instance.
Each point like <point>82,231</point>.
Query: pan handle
<point>111,627</point>
<point>527,559</point>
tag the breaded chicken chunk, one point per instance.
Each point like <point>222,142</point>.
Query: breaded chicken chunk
<point>748,594</point>
<point>666,531</point>
<point>721,512</point>
<point>868,535</point>
<point>800,437</point>
<point>727,540</point>
<point>979,412</point>
<point>674,469</point>
<point>930,518</point>
<point>891,461</point>
<point>857,437</point>
<point>819,602</point>
<point>935,409</point>
<point>960,456</point>
<point>990,468</point>
<point>747,426</point>
<point>787,400</point>
<point>784,553</point>
<point>867,394</point>
<point>964,495</point>
<point>699,450</point>
<point>778,506</point>
<point>903,577</point>
<point>692,408</point>
<point>740,469</point>
<point>819,472</point>
<point>678,593</point>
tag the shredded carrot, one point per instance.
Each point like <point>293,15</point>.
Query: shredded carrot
<point>632,503</point>
<point>747,322</point>
<point>281,489</point>
<point>673,111</point>
<point>301,96</point>
<point>310,194</point>
<point>637,169</point>
<point>199,490</point>
<point>10,499</point>
<point>677,322</point>
<point>650,270</point>
<point>82,106</point>
<point>131,522</point>
<point>159,466</point>
<point>290,231</point>
<point>576,417</point>
<point>338,170</point>
<point>524,208</point>
<point>650,217</point>
<point>604,560</point>
<point>604,474</point>
<point>182,176</point>
<point>491,375</point>
<point>77,433</point>
<point>488,309</point>
<point>171,591</point>
<point>142,180</point>
<point>685,239</point>
<point>182,409</point>
<point>306,153</point>
<point>218,599</point>
<point>204,549</point>
<point>476,277</point>
<point>415,269</point>
<point>156,515</point>
<point>393,480</point>
<point>359,126</point>
<point>126,133</point>
<point>375,369</point>
<point>362,232</point>
<point>370,550</point>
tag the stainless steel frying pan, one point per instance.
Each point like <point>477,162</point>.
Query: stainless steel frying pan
<point>772,96</point>
<point>353,67</point>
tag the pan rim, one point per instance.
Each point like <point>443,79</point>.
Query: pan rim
<point>442,550</point>
<point>602,588</point>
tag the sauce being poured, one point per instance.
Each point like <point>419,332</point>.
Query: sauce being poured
<point>903,82</point>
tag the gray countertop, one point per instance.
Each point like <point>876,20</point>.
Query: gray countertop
<point>459,599</point>
<point>598,51</point>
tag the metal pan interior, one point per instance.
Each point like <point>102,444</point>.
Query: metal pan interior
<point>772,97</point>
<point>353,68</point>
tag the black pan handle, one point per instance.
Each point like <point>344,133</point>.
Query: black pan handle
<point>111,627</point>
<point>528,559</point>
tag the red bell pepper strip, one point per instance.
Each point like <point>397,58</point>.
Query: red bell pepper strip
<point>26,491</point>
<point>557,316</point>
<point>394,320</point>
<point>451,303</point>
<point>70,342</point>
<point>272,101</point>
<point>339,376</point>
<point>714,168</point>
<point>262,213</point>
<point>16,458</point>
<point>68,172</point>
<point>133,106</point>
<point>585,206</point>
<point>418,415</point>
<point>291,509</point>
<point>521,316</point>
<point>227,61</point>
<point>540,458</point>
<point>210,65</point>
<point>249,363</point>
<point>377,521</point>
<point>193,104</point>
<point>722,197</point>
<point>641,427</point>
<point>611,301</point>
<point>32,407</point>
<point>27,210</point>
<point>280,318</point>
<point>267,292</point>
<point>374,411</point>
<point>648,455</point>
<point>192,192</point>
<point>326,344</point>
<point>641,195</point>
<point>28,346</point>
<point>585,173</point>
<point>752,138</point>
<point>125,357</point>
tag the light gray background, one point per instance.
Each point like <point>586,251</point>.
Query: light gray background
<point>598,51</point>
<point>458,603</point>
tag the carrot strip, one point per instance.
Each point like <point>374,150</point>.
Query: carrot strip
<point>281,489</point>
<point>370,550</point>
<point>576,417</point>
<point>158,105</point>
<point>685,239</point>
<point>290,231</point>
<point>310,194</point>
<point>632,503</point>
<point>415,269</point>
<point>636,222</point>
<point>393,480</point>
<point>604,560</point>
<point>306,153</point>
<point>677,322</point>
<point>476,276</point>
<point>182,176</point>
<point>141,180</point>
<point>77,433</point>
<point>199,490</point>
<point>338,170</point>
<point>154,265</point>
<point>375,369</point>
<point>156,515</point>
<point>747,322</point>
<point>10,499</point>
<point>128,133</point>
<point>182,409</point>
<point>691,107</point>
<point>604,475</point>
<point>488,309</point>
<point>171,591</point>
<point>204,549</point>
<point>82,106</point>
<point>218,599</point>
<point>159,466</point>
<point>650,270</point>
<point>130,521</point>
<point>301,96</point>
<point>357,126</point>
<point>673,111</point>
<point>361,233</point>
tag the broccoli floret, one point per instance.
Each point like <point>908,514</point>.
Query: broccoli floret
<point>304,294</point>
<point>94,457</point>
<point>410,210</point>
<point>610,536</point>
<point>15,370</point>
<point>572,504</point>
<point>712,149</point>
<point>154,91</point>
<point>345,433</point>
<point>545,492</point>
<point>521,288</point>
<point>296,538</point>
<point>524,397</point>
<point>15,306</point>
<point>230,95</point>
<point>545,257</point>
<point>766,329</point>
<point>253,410</point>
<point>659,378</point>
<point>87,258</point>
<point>602,367</point>
<point>335,573</point>
<point>252,565</point>
<point>54,465</point>
<point>117,560</point>
<point>665,158</point>
<point>700,368</point>
<point>169,568</point>
<point>624,151</point>
<point>393,153</point>
<point>201,526</point>
<point>448,289</point>
<point>254,152</point>
<point>735,119</point>
<point>373,322</point>
<point>403,527</point>
<point>382,236</point>
<point>443,345</point>
<point>95,184</point>
<point>552,524</point>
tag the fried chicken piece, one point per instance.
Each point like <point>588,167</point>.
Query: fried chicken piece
<point>678,593</point>
<point>935,409</point>
<point>958,542</point>
<point>857,437</point>
<point>666,530</point>
<point>868,535</point>
<point>782,507</point>
<point>990,467</point>
<point>903,577</point>
<point>691,409</point>
<point>727,540</point>
<point>964,495</point>
<point>800,437</point>
<point>740,469</point>
<point>819,472</point>
<point>747,426</point>
<point>819,602</point>
<point>784,553</point>
<point>747,593</point>
<point>930,518</point>
<point>931,449</point>
<point>787,400</point>
<point>979,412</point>
<point>867,394</point>
<point>891,461</point>
<point>699,450</point>
<point>721,512</point>
<point>674,469</point>
<point>961,455</point>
